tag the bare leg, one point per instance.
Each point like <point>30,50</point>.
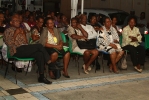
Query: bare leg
<point>53,58</point>
<point>119,56</point>
<point>113,61</point>
<point>86,57</point>
<point>94,54</point>
<point>66,60</point>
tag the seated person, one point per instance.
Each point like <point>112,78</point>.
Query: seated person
<point>131,42</point>
<point>108,41</point>
<point>50,38</point>
<point>75,31</point>
<point>94,23</point>
<point>2,28</point>
<point>31,21</point>
<point>37,29</point>
<point>97,27</point>
<point>114,22</point>
<point>2,25</point>
<point>15,39</point>
<point>24,25</point>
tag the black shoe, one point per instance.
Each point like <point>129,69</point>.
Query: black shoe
<point>44,80</point>
<point>66,76</point>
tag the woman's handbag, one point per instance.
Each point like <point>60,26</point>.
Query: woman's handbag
<point>124,62</point>
<point>90,44</point>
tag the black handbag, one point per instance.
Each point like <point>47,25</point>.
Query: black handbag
<point>89,44</point>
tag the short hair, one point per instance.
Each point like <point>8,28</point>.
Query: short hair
<point>13,16</point>
<point>132,17</point>
<point>74,18</point>
<point>31,15</point>
<point>93,16</point>
<point>39,17</point>
<point>48,18</point>
<point>113,17</point>
<point>104,19</point>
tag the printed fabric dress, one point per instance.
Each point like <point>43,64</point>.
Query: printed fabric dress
<point>105,37</point>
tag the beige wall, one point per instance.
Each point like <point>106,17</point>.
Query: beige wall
<point>126,5</point>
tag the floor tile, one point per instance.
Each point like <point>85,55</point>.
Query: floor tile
<point>1,98</point>
<point>9,97</point>
<point>2,94</point>
<point>53,86</point>
<point>5,92</point>
<point>65,85</point>
<point>37,88</point>
<point>28,90</point>
<point>39,96</point>
<point>79,83</point>
<point>24,96</point>
<point>16,91</point>
<point>9,85</point>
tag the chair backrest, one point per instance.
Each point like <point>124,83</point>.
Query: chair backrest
<point>8,52</point>
<point>63,37</point>
<point>146,41</point>
<point>70,45</point>
<point>121,39</point>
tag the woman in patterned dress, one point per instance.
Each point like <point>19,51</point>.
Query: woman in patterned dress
<point>108,41</point>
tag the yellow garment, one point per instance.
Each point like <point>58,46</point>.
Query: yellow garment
<point>55,39</point>
<point>128,32</point>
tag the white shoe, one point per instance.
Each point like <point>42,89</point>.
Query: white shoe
<point>89,68</point>
<point>138,70</point>
<point>85,71</point>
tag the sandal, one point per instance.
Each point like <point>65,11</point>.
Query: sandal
<point>110,68</point>
<point>137,69</point>
<point>85,71</point>
<point>89,68</point>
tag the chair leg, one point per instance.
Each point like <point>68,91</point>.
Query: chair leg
<point>2,59</point>
<point>95,66</point>
<point>16,74</point>
<point>77,59</point>
<point>27,68</point>
<point>6,69</point>
<point>102,63</point>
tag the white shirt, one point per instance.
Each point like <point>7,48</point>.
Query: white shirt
<point>51,39</point>
<point>90,30</point>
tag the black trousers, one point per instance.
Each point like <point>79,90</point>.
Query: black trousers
<point>36,51</point>
<point>137,54</point>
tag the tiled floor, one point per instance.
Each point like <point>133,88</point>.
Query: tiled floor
<point>29,89</point>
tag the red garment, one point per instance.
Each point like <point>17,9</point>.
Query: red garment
<point>31,24</point>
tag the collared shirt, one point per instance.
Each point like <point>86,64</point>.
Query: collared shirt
<point>90,30</point>
<point>11,42</point>
<point>128,32</point>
